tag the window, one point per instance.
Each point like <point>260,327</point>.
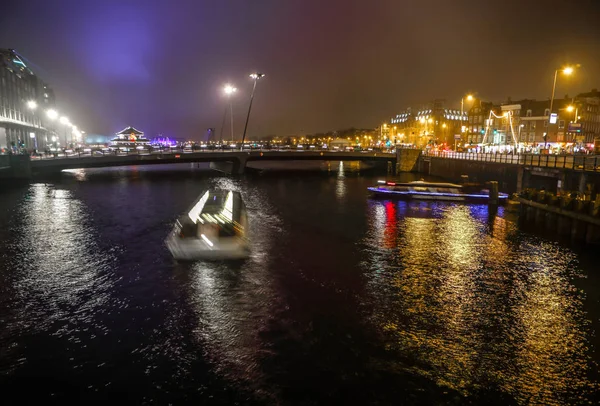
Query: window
<point>531,137</point>
<point>547,112</point>
<point>532,125</point>
<point>561,124</point>
<point>528,113</point>
<point>545,123</point>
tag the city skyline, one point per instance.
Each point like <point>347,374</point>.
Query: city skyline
<point>339,65</point>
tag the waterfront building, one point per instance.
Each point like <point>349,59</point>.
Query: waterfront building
<point>129,138</point>
<point>586,112</point>
<point>478,117</point>
<point>572,128</point>
<point>432,124</point>
<point>24,100</point>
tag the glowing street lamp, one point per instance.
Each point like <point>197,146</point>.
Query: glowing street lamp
<point>32,104</point>
<point>52,114</point>
<point>255,77</point>
<point>469,97</point>
<point>568,70</point>
<point>65,121</point>
<point>228,89</point>
<point>570,108</point>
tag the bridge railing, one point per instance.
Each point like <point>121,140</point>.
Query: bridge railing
<point>113,153</point>
<point>574,162</point>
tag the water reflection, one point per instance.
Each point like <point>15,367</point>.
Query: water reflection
<point>234,300</point>
<point>340,185</point>
<point>61,277</point>
<point>474,310</point>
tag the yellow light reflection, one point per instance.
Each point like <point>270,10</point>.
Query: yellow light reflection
<point>473,308</point>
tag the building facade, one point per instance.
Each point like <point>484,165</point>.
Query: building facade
<point>129,138</point>
<point>587,113</point>
<point>23,98</point>
<point>524,125</point>
<point>432,124</point>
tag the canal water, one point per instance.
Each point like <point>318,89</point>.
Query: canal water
<point>345,299</point>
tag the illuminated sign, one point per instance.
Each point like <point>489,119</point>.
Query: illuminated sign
<point>574,127</point>
<point>553,118</point>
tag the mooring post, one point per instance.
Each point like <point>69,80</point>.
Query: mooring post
<point>493,197</point>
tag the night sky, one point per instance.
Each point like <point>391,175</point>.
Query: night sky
<point>330,64</point>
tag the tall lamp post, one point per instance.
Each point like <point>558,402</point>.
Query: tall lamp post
<point>567,71</point>
<point>570,108</point>
<point>65,122</point>
<point>52,115</point>
<point>32,105</point>
<point>228,90</point>
<point>469,97</point>
<point>254,76</point>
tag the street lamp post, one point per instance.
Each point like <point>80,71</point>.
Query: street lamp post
<point>32,105</point>
<point>228,90</point>
<point>254,76</point>
<point>469,97</point>
<point>567,71</point>
<point>52,115</point>
<point>575,109</point>
<point>65,122</point>
<point>572,108</point>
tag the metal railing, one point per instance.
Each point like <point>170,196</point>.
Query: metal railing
<point>574,162</point>
<point>171,151</point>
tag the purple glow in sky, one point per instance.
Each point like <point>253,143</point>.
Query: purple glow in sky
<point>160,65</point>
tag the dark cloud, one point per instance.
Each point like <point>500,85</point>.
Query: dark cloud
<point>159,65</point>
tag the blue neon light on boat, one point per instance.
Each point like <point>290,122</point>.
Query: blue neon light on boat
<point>412,193</point>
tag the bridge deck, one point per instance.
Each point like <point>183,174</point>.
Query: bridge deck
<point>107,160</point>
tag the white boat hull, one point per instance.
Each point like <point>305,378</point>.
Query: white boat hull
<point>191,249</point>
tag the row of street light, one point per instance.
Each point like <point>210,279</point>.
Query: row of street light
<point>54,115</point>
<point>229,90</point>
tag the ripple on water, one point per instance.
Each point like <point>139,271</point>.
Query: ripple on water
<point>475,307</point>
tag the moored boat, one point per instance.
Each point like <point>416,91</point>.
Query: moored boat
<point>214,228</point>
<point>421,190</point>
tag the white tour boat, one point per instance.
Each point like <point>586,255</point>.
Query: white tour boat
<point>214,228</point>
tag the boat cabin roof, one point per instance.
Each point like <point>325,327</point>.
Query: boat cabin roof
<point>216,206</point>
<point>421,183</point>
